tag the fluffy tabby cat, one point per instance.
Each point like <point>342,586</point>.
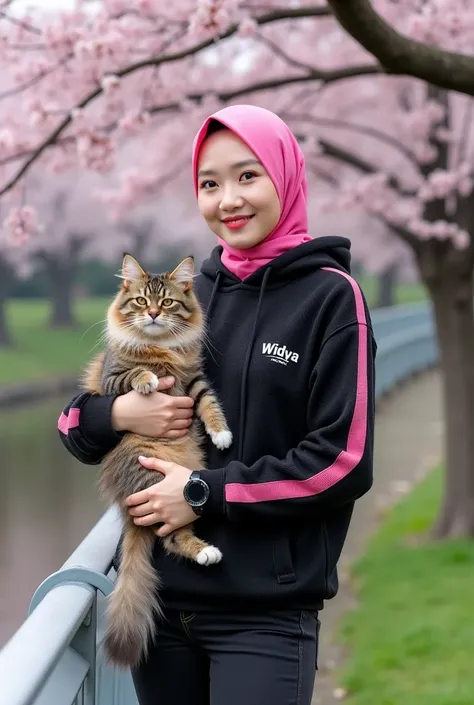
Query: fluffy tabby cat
<point>154,328</point>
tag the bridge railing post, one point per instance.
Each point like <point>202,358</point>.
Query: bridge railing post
<point>84,641</point>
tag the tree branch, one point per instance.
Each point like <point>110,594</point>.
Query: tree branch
<point>314,75</point>
<point>325,76</point>
<point>278,51</point>
<point>322,174</point>
<point>362,129</point>
<point>403,233</point>
<point>274,16</point>
<point>336,152</point>
<point>399,54</point>
<point>268,18</point>
<point>20,23</point>
<point>329,149</point>
<point>466,129</point>
<point>27,47</point>
<point>33,81</point>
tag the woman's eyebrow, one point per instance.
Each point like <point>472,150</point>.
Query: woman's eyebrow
<point>237,165</point>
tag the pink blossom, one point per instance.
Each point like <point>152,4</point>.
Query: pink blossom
<point>248,27</point>
<point>417,28</point>
<point>465,186</point>
<point>7,143</point>
<point>133,122</point>
<point>445,135</point>
<point>213,16</point>
<point>462,240</point>
<point>426,153</point>
<point>95,152</point>
<point>21,224</point>
<point>110,83</point>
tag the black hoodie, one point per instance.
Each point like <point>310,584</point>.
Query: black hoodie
<point>291,356</point>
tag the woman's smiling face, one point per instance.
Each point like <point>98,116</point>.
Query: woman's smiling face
<point>236,196</point>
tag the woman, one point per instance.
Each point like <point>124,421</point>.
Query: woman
<point>291,356</point>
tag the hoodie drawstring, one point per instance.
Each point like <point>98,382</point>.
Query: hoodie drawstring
<point>213,295</point>
<point>243,388</point>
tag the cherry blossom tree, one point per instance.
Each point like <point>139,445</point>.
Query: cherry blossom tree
<point>73,228</point>
<point>81,85</point>
<point>414,56</point>
<point>67,227</point>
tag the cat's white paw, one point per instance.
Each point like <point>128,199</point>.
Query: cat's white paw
<point>222,440</point>
<point>148,384</point>
<point>209,556</point>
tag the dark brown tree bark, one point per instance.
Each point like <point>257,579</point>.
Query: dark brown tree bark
<point>400,55</point>
<point>61,282</point>
<point>5,280</point>
<point>61,271</point>
<point>387,287</point>
<point>448,275</point>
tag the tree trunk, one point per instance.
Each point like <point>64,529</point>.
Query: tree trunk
<point>357,270</point>
<point>5,278</point>
<point>61,282</point>
<point>5,338</point>
<point>386,290</point>
<point>61,269</point>
<point>450,283</point>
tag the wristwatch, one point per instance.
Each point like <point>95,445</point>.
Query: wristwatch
<point>196,492</point>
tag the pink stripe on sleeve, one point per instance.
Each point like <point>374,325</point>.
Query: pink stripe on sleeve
<point>66,423</point>
<point>347,459</point>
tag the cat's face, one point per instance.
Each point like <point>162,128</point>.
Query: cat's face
<point>158,308</point>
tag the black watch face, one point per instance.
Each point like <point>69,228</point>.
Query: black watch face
<point>197,492</point>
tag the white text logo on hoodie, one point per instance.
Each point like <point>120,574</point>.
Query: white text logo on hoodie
<point>279,353</point>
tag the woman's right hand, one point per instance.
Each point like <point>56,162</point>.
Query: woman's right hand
<point>157,415</point>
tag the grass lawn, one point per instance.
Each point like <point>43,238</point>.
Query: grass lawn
<point>405,293</point>
<point>40,352</point>
<point>411,639</point>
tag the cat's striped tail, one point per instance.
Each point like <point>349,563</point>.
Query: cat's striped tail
<point>133,605</point>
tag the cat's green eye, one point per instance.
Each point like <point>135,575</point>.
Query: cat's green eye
<point>141,300</point>
<point>166,302</point>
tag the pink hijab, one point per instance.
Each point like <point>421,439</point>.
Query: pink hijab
<point>272,141</point>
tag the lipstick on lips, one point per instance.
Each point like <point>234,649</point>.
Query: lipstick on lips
<point>235,222</point>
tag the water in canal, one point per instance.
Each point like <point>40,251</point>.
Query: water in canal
<point>48,503</point>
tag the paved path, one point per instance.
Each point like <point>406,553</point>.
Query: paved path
<point>408,442</point>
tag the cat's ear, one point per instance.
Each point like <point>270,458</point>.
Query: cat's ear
<point>184,273</point>
<point>131,270</point>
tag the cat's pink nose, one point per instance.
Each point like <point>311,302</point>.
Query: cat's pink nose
<point>153,314</point>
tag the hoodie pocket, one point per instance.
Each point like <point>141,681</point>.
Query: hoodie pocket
<point>282,560</point>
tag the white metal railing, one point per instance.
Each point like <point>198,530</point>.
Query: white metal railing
<point>52,657</point>
<point>55,658</point>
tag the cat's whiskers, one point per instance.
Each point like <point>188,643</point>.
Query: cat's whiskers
<point>205,339</point>
<point>181,329</point>
<point>126,335</point>
<point>104,320</point>
<point>124,325</point>
<point>101,338</point>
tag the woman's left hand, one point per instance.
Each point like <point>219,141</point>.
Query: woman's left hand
<point>163,502</point>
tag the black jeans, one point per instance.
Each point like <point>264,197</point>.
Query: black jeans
<point>231,658</point>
